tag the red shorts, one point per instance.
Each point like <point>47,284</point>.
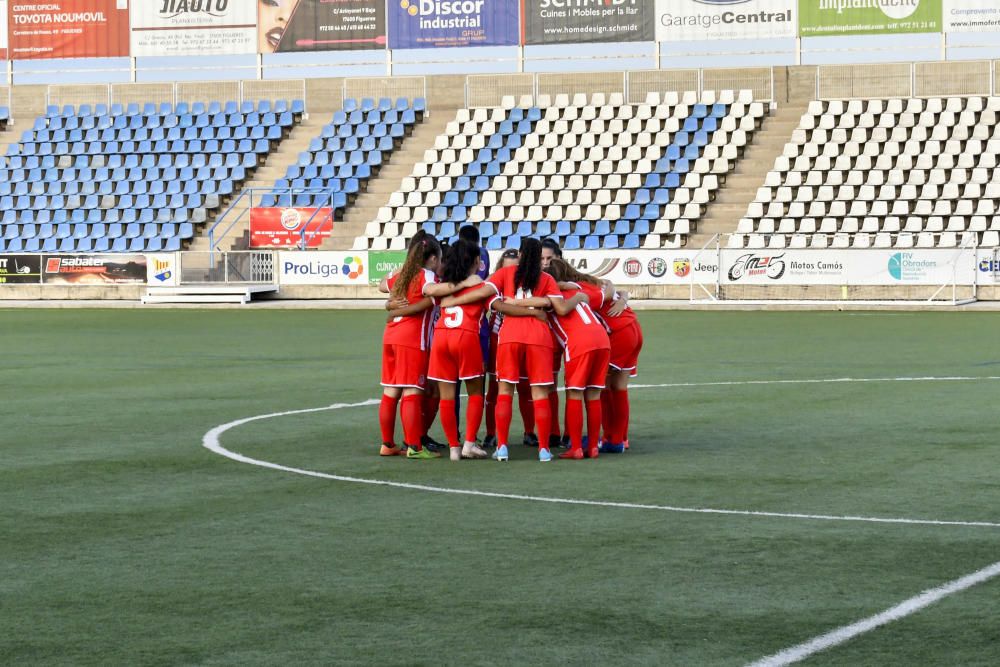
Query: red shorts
<point>589,370</point>
<point>625,347</point>
<point>455,354</point>
<point>557,359</point>
<point>491,363</point>
<point>404,366</point>
<point>521,360</point>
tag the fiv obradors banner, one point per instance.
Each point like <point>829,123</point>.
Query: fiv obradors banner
<point>574,21</point>
<point>422,24</point>
<point>193,27</point>
<point>321,25</point>
<point>679,20</point>
<point>823,18</point>
<point>971,16</point>
<point>68,29</point>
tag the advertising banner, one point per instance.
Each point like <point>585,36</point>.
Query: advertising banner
<point>20,269</point>
<point>162,270</point>
<point>988,267</point>
<point>575,21</point>
<point>382,263</point>
<point>971,16</point>
<point>94,269</point>
<point>3,30</point>
<point>68,29</point>
<point>321,25</point>
<point>424,24</point>
<point>848,267</point>
<point>678,20</point>
<point>193,27</point>
<point>273,227</point>
<point>823,18</point>
<point>322,268</point>
<point>641,267</point>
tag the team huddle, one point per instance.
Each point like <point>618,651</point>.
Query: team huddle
<point>449,323</point>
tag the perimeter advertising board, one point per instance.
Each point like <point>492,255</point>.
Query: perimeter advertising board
<point>20,269</point>
<point>94,269</point>
<point>321,25</point>
<point>322,268</point>
<point>193,27</point>
<point>641,267</point>
<point>823,18</point>
<point>273,227</point>
<point>678,20</point>
<point>3,30</point>
<point>68,29</point>
<point>971,16</point>
<point>382,263</point>
<point>574,21</point>
<point>423,24</point>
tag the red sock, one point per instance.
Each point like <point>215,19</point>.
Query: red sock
<point>593,423</point>
<point>620,400</point>
<point>449,423</point>
<point>505,409</point>
<point>430,409</point>
<point>543,421</point>
<point>525,405</point>
<point>554,414</point>
<point>607,413</point>
<point>387,417</point>
<point>473,417</point>
<point>574,422</point>
<point>491,409</point>
<point>412,413</point>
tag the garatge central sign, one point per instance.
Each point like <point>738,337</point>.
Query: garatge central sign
<point>678,20</point>
<point>818,18</point>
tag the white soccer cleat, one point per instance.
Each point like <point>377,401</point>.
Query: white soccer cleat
<point>471,450</point>
<point>456,453</point>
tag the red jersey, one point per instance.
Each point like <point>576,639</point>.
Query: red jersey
<point>625,319</point>
<point>465,318</point>
<point>527,330</point>
<point>580,331</point>
<point>412,330</point>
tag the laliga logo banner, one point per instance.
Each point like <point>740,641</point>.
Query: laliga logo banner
<point>423,24</point>
<point>569,21</point>
<point>193,27</point>
<point>678,20</point>
<point>820,18</point>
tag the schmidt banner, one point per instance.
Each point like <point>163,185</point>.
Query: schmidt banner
<point>423,24</point>
<point>193,27</point>
<point>823,18</point>
<point>678,20</point>
<point>569,21</point>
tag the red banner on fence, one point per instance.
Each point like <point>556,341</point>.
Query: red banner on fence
<point>282,227</point>
<point>68,29</point>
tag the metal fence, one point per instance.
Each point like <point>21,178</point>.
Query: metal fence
<point>243,267</point>
<point>918,79</point>
<point>182,91</point>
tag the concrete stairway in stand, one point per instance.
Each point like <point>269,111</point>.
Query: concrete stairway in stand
<point>741,184</point>
<point>389,179</point>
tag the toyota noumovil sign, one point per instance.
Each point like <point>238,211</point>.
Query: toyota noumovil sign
<point>819,18</point>
<point>678,20</point>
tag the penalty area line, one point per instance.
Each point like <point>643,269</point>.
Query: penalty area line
<point>212,441</point>
<point>903,609</point>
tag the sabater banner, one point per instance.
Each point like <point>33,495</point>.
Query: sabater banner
<point>678,20</point>
<point>821,18</point>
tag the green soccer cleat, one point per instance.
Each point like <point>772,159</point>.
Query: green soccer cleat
<point>412,453</point>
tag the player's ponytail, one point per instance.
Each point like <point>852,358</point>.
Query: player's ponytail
<point>423,246</point>
<point>561,270</point>
<point>461,261</point>
<point>529,266</point>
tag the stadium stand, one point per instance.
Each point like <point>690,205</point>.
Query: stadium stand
<point>131,179</point>
<point>900,173</point>
<point>593,172</point>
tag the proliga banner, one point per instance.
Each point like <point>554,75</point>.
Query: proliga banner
<point>322,25</point>
<point>68,29</point>
<point>971,16</point>
<point>273,227</point>
<point>678,20</point>
<point>193,27</point>
<point>574,21</point>
<point>422,24</point>
<point>322,268</point>
<point>822,18</point>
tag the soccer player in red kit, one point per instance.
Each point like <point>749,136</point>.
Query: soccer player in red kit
<point>456,353</point>
<point>525,347</point>
<point>626,344</point>
<point>586,350</point>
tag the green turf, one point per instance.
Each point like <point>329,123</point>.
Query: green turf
<point>123,541</point>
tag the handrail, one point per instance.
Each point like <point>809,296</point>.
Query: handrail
<point>250,193</point>
<point>222,217</point>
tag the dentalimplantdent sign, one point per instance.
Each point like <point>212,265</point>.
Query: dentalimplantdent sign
<point>819,18</point>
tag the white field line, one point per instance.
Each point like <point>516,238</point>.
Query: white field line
<point>901,610</point>
<point>211,441</point>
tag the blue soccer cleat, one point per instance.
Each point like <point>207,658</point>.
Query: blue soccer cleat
<point>544,454</point>
<point>501,453</point>
<point>608,448</point>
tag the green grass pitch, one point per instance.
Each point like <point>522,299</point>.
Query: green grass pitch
<point>123,541</point>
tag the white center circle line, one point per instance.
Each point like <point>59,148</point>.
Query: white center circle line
<point>211,441</point>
